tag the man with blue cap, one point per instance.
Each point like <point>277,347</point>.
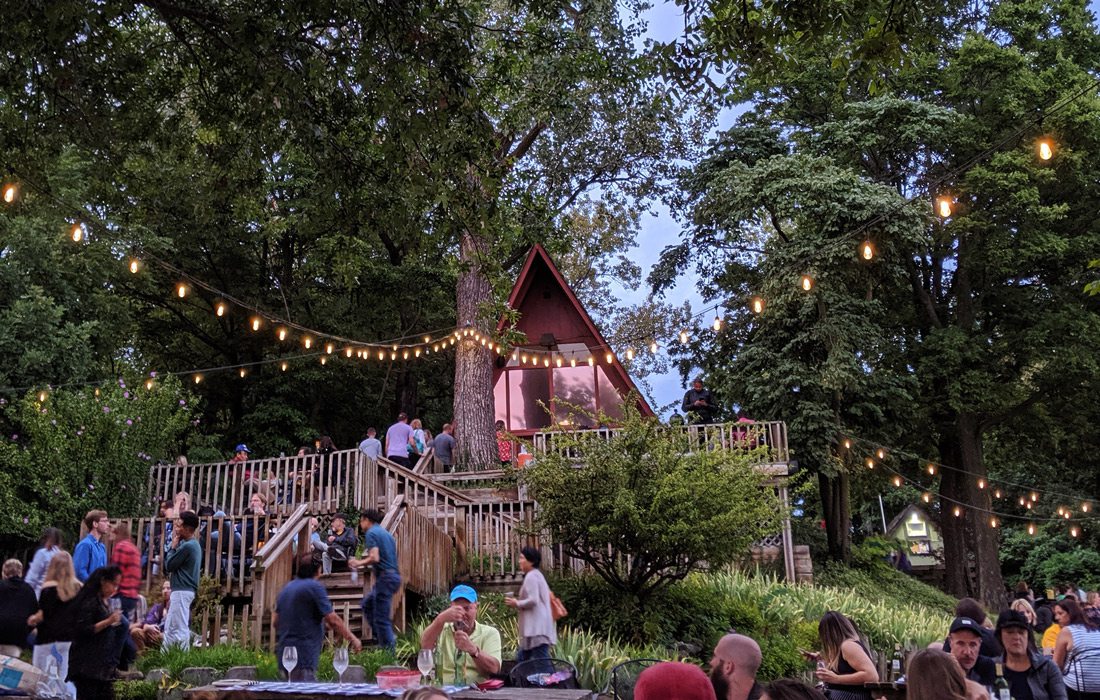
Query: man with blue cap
<point>466,651</point>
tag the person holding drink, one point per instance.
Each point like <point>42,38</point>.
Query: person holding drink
<point>466,651</point>
<point>95,623</point>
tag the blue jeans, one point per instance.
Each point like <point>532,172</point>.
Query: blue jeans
<point>376,608</point>
<point>121,650</point>
<point>541,652</point>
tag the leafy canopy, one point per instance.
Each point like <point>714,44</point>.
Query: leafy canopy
<point>646,507</point>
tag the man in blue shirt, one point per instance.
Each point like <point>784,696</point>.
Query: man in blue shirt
<point>381,552</point>
<point>301,612</point>
<point>90,553</point>
<point>371,446</point>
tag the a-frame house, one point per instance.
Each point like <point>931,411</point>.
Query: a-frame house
<point>569,361</point>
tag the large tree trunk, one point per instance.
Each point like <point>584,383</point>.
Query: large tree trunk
<point>838,515</point>
<point>473,390</point>
<point>970,538</point>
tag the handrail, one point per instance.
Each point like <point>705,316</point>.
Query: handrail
<point>426,458</point>
<point>423,480</point>
<point>279,541</point>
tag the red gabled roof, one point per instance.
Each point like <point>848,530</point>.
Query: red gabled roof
<point>517,299</point>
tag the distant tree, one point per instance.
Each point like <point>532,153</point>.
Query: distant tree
<point>647,507</point>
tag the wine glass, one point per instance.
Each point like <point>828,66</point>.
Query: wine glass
<point>290,660</point>
<point>340,661</point>
<point>115,605</point>
<point>425,662</point>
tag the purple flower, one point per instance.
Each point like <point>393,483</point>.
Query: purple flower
<point>79,433</point>
<point>182,402</point>
<point>122,383</point>
<point>15,436</point>
<point>129,422</point>
<point>125,394</point>
<point>91,487</point>
<point>153,375</point>
<point>26,520</point>
<point>106,409</point>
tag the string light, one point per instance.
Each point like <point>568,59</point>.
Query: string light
<point>1031,528</point>
<point>591,361</point>
<point>609,357</point>
<point>757,305</point>
<point>653,348</point>
<point>329,348</point>
<point>1034,496</point>
<point>181,290</point>
<point>557,360</point>
<point>243,372</point>
<point>308,342</point>
<point>573,362</point>
<point>347,352</point>
<point>897,481</point>
<point>198,378</point>
<point>870,463</point>
<point>148,384</point>
<point>993,522</point>
<point>1085,507</point>
<point>944,206</point>
<point>256,323</point>
<point>881,453</point>
<point>1073,531</point>
<point>284,365</point>
<point>926,497</point>
<point>629,354</point>
<point>847,444</point>
<point>281,333</point>
<point>381,354</point>
<point>11,191</point>
<point>867,250</point>
<point>324,360</point>
<point>1045,148</point>
<point>958,511</point>
<point>997,493</point>
<point>932,469</point>
<point>134,265</point>
<point>220,309</point>
<point>807,283</point>
<point>77,232</point>
<point>42,397</point>
<point>981,483</point>
<point>684,337</point>
<point>717,323</point>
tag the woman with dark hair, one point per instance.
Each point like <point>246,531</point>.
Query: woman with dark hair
<point>49,544</point>
<point>537,631</point>
<point>847,663</point>
<point>94,625</point>
<point>934,675</point>
<point>1030,675</point>
<point>1077,651</point>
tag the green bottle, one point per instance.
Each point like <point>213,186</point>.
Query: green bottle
<point>1000,685</point>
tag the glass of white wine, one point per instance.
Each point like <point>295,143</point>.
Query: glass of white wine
<point>425,662</point>
<point>290,660</point>
<point>340,661</point>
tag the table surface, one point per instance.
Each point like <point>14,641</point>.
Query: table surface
<point>210,692</point>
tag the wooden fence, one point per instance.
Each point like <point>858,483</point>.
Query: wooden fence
<point>229,545</point>
<point>234,624</point>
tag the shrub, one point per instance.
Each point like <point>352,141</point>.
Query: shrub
<point>135,690</point>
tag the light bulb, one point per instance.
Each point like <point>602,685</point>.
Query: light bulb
<point>992,522</point>
<point>609,357</point>
<point>243,372</point>
<point>220,309</point>
<point>1046,149</point>
<point>927,497</point>
<point>881,453</point>
<point>981,483</point>
<point>1031,528</point>
<point>897,481</point>
<point>684,337</point>
<point>557,360</point>
<point>10,192</point>
<point>324,360</point>
<point>1085,507</point>
<point>546,362</point>
<point>417,353</point>
<point>427,339</point>
<point>630,353</point>
<point>807,283</point>
<point>148,384</point>
<point>181,290</point>
<point>717,323</point>
<point>329,347</point>
<point>943,206</point>
<point>41,397</point>
<point>573,362</point>
<point>1034,496</point>
<point>757,305</point>
<point>347,352</point>
<point>405,355</point>
<point>381,355</point>
<point>958,511</point>
<point>653,348</point>
<point>870,463</point>
<point>1073,531</point>
<point>283,365</point>
<point>198,378</point>
<point>997,493</point>
<point>393,356</point>
<point>1022,499</point>
<point>281,333</point>
<point>134,266</point>
<point>932,469</point>
<point>256,322</point>
<point>847,444</point>
<point>77,232</point>
<point>308,342</point>
<point>867,250</point>
<point>591,361</point>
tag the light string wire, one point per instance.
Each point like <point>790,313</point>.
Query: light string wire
<point>881,462</point>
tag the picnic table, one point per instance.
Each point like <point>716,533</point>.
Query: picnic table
<point>333,691</point>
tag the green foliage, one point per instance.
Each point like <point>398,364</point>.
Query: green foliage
<point>220,657</point>
<point>1049,559</point>
<point>82,449</point>
<point>644,508</point>
<point>135,690</point>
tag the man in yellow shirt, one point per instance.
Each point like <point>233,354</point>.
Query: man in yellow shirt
<point>466,651</point>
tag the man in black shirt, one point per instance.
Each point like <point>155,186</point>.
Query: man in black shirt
<point>965,638</point>
<point>698,403</point>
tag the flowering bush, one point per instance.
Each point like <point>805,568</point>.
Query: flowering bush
<point>71,451</point>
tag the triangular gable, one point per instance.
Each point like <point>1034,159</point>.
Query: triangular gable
<point>540,270</point>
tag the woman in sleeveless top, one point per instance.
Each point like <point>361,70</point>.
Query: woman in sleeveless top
<point>845,663</point>
<point>1077,651</point>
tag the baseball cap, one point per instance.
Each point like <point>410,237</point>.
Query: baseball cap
<point>464,592</point>
<point>242,448</point>
<point>1011,618</point>
<point>965,623</point>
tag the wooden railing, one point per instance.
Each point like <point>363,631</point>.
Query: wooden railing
<point>491,536</point>
<point>229,546</point>
<point>425,553</point>
<point>234,624</point>
<point>769,438</point>
<point>275,565</point>
<point>324,482</point>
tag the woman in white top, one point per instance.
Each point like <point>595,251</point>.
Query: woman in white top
<point>51,545</point>
<point>537,630</point>
<point>1077,652</point>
